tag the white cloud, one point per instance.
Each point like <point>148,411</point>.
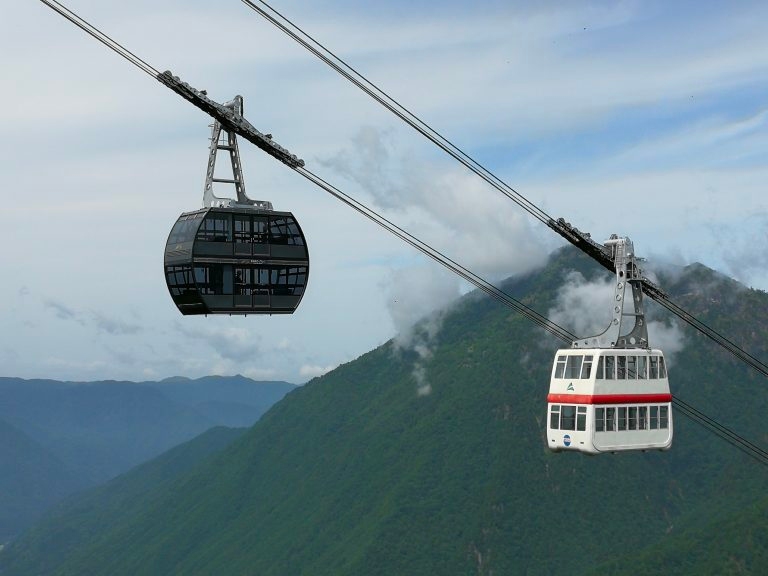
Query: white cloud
<point>68,369</point>
<point>418,300</point>
<point>283,344</point>
<point>418,293</point>
<point>583,307</point>
<point>447,207</point>
<point>150,374</point>
<point>261,373</point>
<point>312,371</point>
<point>102,322</point>
<point>722,140</point>
<point>237,344</point>
<point>667,337</point>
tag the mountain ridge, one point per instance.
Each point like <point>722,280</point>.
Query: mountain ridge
<point>90,432</point>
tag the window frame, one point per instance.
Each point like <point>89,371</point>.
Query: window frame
<point>581,418</point>
<point>554,417</point>
<point>568,417</point>
<point>600,419</point>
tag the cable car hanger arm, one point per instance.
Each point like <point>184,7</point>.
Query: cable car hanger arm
<point>229,119</point>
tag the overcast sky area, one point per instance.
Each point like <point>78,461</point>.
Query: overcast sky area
<point>647,119</point>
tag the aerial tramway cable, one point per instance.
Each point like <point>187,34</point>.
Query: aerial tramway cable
<point>101,37</point>
<point>571,234</point>
<point>264,142</point>
<point>319,50</point>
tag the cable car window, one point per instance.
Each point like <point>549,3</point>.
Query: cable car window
<point>179,279</point>
<point>214,279</point>
<point>260,230</point>
<point>642,418</point>
<point>203,279</point>
<point>642,367</point>
<point>610,419</point>
<point>573,366</point>
<point>662,368</point>
<point>654,368</point>
<point>567,417</point>
<point>654,419</point>
<point>663,417</point>
<point>621,367</point>
<point>599,419</point>
<point>261,276</point>
<point>599,373</point>
<point>243,280</point>
<point>295,237</point>
<point>283,230</point>
<point>610,367</point>
<point>622,418</point>
<point>632,367</point>
<point>242,229</point>
<point>215,228</point>
<point>278,233</point>
<point>581,418</point>
<point>183,231</point>
<point>560,367</point>
<point>586,368</point>
<point>632,420</point>
<point>554,417</point>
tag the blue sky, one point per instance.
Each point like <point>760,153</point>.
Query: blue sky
<point>646,119</point>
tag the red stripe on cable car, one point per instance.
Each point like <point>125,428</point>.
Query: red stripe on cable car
<point>608,398</point>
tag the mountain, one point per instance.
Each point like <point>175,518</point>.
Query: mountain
<point>734,544</point>
<point>104,428</point>
<point>91,511</point>
<point>433,460</point>
<point>31,480</point>
<point>234,401</point>
<point>91,432</point>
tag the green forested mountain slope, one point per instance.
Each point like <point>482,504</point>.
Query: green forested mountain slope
<point>735,544</point>
<point>355,473</point>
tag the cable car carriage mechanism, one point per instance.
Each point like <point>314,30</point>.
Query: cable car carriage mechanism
<point>235,256</point>
<point>609,392</point>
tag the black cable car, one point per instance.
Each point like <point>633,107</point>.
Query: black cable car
<point>235,257</point>
<point>236,261</point>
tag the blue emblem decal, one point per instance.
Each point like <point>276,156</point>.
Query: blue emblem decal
<point>567,440</point>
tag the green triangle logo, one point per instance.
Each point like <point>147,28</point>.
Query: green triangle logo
<point>570,387</point>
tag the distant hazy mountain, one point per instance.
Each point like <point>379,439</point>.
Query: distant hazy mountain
<point>91,432</point>
<point>31,480</point>
<point>234,401</point>
<point>358,472</point>
<point>97,508</point>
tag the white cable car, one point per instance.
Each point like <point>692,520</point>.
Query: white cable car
<point>609,392</point>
